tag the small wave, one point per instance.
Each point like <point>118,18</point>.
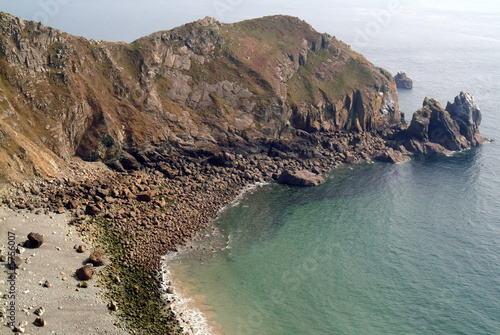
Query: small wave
<point>190,318</point>
<point>239,197</point>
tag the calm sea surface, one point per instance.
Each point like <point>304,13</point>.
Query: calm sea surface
<point>379,249</point>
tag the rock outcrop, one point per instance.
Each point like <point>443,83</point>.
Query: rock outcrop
<point>434,129</point>
<point>403,81</point>
<point>466,113</point>
<point>200,89</point>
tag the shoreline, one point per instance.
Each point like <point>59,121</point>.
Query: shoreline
<point>186,307</point>
<point>138,217</point>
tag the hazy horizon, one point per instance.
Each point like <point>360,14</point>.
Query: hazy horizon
<point>124,20</point>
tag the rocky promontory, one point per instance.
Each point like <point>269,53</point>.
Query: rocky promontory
<point>200,89</point>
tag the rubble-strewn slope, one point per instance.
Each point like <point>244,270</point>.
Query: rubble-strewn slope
<point>197,89</point>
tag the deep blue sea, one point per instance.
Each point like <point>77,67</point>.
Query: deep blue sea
<point>412,248</point>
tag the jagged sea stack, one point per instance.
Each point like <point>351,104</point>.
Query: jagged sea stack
<point>434,129</point>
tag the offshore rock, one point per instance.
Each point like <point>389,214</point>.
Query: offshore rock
<point>434,129</point>
<point>300,178</point>
<point>403,81</point>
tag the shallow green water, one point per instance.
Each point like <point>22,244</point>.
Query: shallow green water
<point>381,249</point>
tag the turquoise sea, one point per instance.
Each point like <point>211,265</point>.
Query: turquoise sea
<point>379,249</point>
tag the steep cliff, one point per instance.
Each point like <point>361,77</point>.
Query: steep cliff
<point>196,89</point>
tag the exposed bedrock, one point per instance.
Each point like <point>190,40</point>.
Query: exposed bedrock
<point>434,129</point>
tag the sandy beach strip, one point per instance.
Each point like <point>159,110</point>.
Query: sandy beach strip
<point>68,308</point>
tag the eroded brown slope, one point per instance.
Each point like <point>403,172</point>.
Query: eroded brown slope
<point>197,89</point>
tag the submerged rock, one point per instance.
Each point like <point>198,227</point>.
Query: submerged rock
<point>300,178</point>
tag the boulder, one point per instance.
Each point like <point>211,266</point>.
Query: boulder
<point>39,322</point>
<point>221,159</point>
<point>97,257</point>
<point>85,272</point>
<point>72,204</point>
<point>35,240</point>
<point>92,210</point>
<point>81,248</point>
<point>113,306</point>
<point>39,311</point>
<point>16,262</point>
<point>300,178</point>
<point>391,156</point>
<point>145,196</point>
<point>18,329</point>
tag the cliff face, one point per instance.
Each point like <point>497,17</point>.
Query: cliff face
<point>197,89</point>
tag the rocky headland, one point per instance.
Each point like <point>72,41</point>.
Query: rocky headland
<point>143,143</point>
